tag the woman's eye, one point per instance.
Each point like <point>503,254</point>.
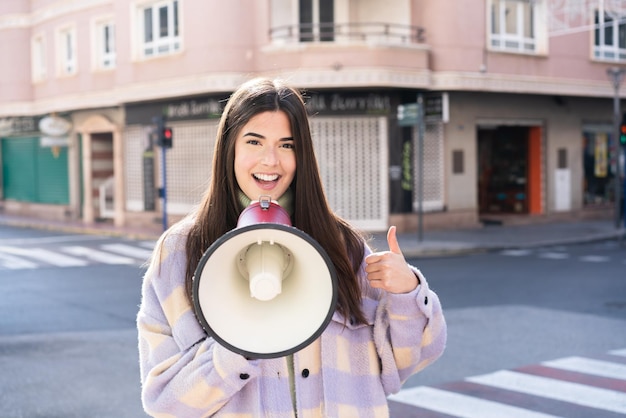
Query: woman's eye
<point>288,145</point>
<point>253,142</point>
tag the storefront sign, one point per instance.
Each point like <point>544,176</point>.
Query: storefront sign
<point>408,114</point>
<point>55,132</point>
<point>18,125</point>
<point>193,109</point>
<point>55,126</point>
<point>54,141</point>
<point>177,110</point>
<point>212,107</point>
<point>5,127</point>
<point>436,107</point>
<point>348,103</point>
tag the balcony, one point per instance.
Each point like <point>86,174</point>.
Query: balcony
<point>357,54</point>
<point>353,32</point>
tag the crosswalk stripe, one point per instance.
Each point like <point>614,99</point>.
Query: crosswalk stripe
<point>516,253</point>
<point>128,250</point>
<point>49,240</point>
<point>589,366</point>
<point>554,256</point>
<point>554,389</point>
<point>11,262</point>
<point>594,258</point>
<point>98,256</point>
<point>620,352</point>
<point>41,254</point>
<point>460,405</point>
<point>557,255</point>
<point>148,244</point>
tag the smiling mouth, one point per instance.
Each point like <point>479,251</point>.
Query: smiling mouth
<point>266,177</point>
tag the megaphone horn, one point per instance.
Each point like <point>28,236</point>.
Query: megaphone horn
<point>265,289</point>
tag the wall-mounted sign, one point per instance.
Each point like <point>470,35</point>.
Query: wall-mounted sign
<point>6,126</point>
<point>54,141</point>
<point>55,126</point>
<point>408,114</point>
<point>193,109</point>
<point>349,103</point>
<point>436,107</point>
<point>18,125</point>
<point>198,108</point>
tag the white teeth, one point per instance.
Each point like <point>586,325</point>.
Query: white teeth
<point>266,177</point>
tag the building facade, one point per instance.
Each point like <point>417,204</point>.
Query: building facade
<point>518,106</point>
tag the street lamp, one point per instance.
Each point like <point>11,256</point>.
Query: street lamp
<point>616,75</point>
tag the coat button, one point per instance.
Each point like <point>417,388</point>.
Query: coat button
<point>305,373</point>
<point>244,376</point>
<point>425,300</point>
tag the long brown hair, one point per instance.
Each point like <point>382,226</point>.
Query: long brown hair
<point>220,206</point>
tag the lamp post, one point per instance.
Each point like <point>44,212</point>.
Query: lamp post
<point>616,75</point>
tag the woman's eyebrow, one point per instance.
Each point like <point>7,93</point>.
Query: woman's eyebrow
<point>256,135</point>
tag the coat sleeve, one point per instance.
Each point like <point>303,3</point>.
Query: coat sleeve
<point>183,372</point>
<point>409,331</point>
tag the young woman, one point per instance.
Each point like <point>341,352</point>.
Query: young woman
<point>388,324</point>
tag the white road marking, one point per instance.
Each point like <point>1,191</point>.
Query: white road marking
<point>460,405</point>
<point>98,256</point>
<point>11,262</point>
<point>589,366</point>
<point>47,256</point>
<point>575,393</point>
<point>554,256</point>
<point>594,258</point>
<point>516,253</point>
<point>128,250</point>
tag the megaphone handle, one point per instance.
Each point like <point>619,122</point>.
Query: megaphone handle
<point>264,201</point>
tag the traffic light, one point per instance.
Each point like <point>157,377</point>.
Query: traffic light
<point>164,134</point>
<point>166,137</point>
<point>622,131</point>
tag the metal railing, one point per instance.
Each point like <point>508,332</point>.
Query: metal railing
<point>348,32</point>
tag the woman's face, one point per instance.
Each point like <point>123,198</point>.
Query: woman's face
<point>265,159</point>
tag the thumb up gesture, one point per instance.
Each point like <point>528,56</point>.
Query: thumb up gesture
<point>388,270</point>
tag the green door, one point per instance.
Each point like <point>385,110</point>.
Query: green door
<point>31,173</point>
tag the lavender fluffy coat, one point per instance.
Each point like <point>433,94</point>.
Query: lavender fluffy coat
<point>347,372</point>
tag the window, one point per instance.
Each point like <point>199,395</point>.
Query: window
<point>316,20</point>
<point>38,55</point>
<point>159,29</point>
<point>105,44</point>
<point>66,47</point>
<point>513,25</point>
<point>609,37</point>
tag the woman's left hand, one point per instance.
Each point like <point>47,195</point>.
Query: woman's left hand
<point>388,270</point>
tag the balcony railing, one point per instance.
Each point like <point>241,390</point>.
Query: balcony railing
<point>348,32</point>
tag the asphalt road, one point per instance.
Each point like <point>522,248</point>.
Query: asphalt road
<point>513,308</point>
<point>68,344</point>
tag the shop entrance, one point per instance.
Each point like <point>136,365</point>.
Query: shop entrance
<point>509,164</point>
<point>102,180</point>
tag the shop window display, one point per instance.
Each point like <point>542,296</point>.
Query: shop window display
<point>598,174</point>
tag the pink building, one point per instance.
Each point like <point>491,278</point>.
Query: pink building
<point>519,107</point>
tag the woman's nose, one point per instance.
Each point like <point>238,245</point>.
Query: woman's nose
<point>269,156</point>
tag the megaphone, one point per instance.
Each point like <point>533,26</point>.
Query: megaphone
<point>265,289</point>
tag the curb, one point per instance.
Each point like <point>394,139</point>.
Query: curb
<point>83,229</point>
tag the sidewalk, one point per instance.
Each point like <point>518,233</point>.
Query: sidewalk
<point>434,243</point>
<point>500,237</point>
